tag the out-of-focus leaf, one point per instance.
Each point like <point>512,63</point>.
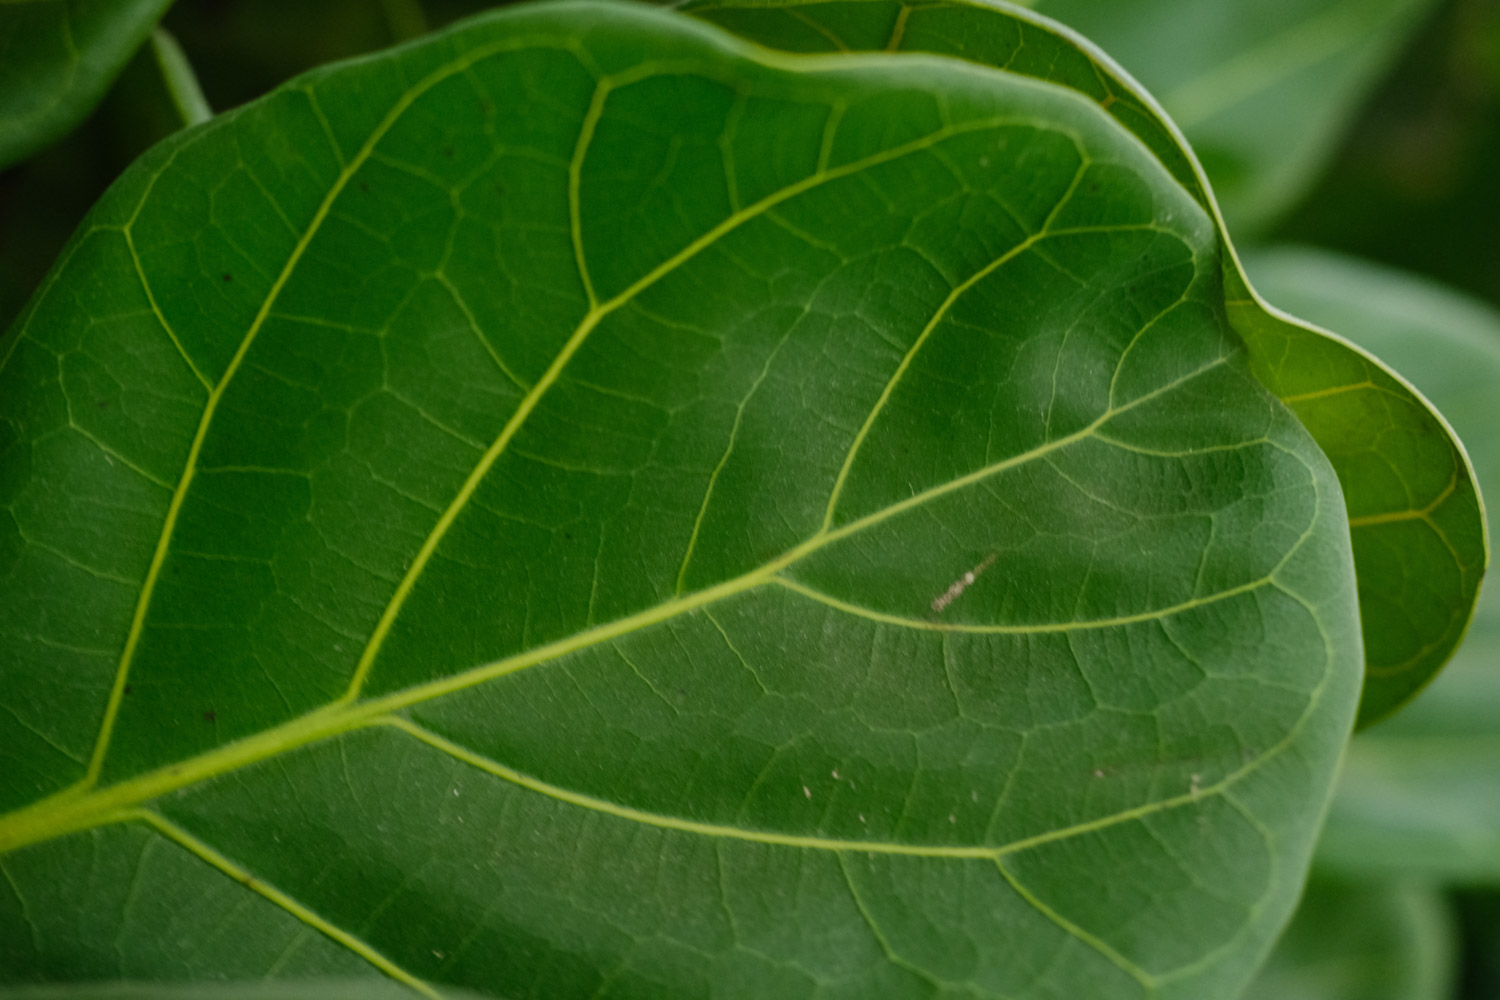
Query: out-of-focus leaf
<point>1414,185</point>
<point>57,57</point>
<point>1422,792</point>
<point>586,507</point>
<point>1396,460</point>
<point>1264,89</point>
<point>1362,942</point>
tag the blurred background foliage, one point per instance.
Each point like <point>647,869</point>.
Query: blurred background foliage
<point>1355,145</point>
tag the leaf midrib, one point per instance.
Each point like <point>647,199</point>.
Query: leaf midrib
<point>82,807</point>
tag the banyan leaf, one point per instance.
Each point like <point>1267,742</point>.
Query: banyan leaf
<point>585,506</point>
<point>1414,511</point>
<point>1363,941</point>
<point>1418,795</point>
<point>57,58</point>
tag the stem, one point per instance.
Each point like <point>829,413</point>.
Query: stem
<point>178,75</point>
<point>405,18</point>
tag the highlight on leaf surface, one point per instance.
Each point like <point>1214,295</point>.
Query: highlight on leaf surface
<point>586,506</point>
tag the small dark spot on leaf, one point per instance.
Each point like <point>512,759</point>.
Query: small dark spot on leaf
<point>568,535</point>
<point>103,404</point>
<point>364,185</point>
<point>448,152</point>
<point>228,276</point>
<point>127,688</point>
<point>210,715</point>
<point>1093,187</point>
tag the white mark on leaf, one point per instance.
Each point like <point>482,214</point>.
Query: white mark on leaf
<point>962,584</point>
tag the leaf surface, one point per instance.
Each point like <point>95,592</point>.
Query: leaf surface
<point>1418,795</point>
<point>57,58</point>
<point>586,507</point>
<point>1402,470</point>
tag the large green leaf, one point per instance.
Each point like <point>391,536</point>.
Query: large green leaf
<point>1363,942</point>
<point>57,58</point>
<point>588,507</point>
<point>1419,794</point>
<point>1401,469</point>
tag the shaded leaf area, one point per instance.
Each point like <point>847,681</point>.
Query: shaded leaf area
<point>1264,91</point>
<point>584,506</point>
<point>1415,512</point>
<point>57,59</point>
<point>1363,942</point>
<point>1418,795</point>
<point>310,989</point>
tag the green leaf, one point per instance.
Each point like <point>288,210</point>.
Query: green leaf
<point>1263,91</point>
<point>319,989</point>
<point>57,59</point>
<point>1399,465</point>
<point>1363,942</point>
<point>587,507</point>
<point>1418,794</point>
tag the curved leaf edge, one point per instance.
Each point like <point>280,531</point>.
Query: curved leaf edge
<point>1377,703</point>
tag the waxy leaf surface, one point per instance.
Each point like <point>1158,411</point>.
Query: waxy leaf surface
<point>587,507</point>
<point>57,58</point>
<point>1415,512</point>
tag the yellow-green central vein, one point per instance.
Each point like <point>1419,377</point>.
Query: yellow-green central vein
<point>80,808</point>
